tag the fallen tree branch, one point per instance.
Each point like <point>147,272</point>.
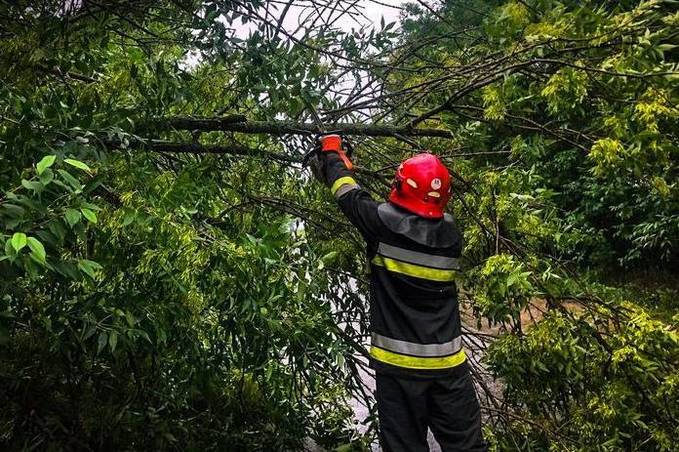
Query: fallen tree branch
<point>231,149</point>
<point>189,123</point>
<point>238,123</point>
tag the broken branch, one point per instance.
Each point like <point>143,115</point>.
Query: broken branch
<point>238,123</point>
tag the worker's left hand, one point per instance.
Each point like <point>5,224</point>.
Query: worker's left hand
<point>317,165</point>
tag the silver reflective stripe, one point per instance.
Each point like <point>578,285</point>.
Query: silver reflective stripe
<point>411,348</point>
<point>415,257</point>
<point>346,188</point>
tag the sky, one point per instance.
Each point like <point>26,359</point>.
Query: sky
<point>372,13</point>
<point>375,11</point>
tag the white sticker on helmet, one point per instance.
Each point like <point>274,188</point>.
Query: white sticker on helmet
<point>436,183</point>
<point>411,182</point>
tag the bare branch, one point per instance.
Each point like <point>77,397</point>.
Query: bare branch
<point>236,123</point>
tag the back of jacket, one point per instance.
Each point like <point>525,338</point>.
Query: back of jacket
<point>414,263</point>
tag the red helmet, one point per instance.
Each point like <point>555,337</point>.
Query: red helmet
<point>422,186</point>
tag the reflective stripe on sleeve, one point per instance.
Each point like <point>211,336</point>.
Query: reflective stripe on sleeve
<point>346,180</point>
<point>344,189</point>
<point>417,271</point>
<point>414,362</point>
<point>414,349</point>
<point>415,257</point>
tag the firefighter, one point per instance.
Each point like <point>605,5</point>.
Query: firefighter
<point>413,248</point>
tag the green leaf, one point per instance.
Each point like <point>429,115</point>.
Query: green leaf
<point>130,318</point>
<point>89,214</point>
<point>101,342</point>
<point>330,257</point>
<point>68,270</point>
<point>129,218</point>
<point>113,340</point>
<point>72,217</point>
<point>32,185</point>
<point>72,181</point>
<point>91,206</point>
<point>78,164</point>
<point>46,177</point>
<point>90,332</point>
<point>9,250</point>
<point>18,241</point>
<point>13,210</point>
<point>45,163</point>
<point>89,267</point>
<point>37,250</point>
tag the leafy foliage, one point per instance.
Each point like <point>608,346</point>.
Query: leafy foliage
<point>570,209</point>
<point>150,301</point>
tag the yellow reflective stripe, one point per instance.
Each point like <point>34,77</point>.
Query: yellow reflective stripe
<point>342,181</point>
<point>418,271</point>
<point>416,362</point>
<point>417,258</point>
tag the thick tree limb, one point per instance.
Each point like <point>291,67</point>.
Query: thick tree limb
<point>204,124</point>
<point>237,123</point>
<point>231,149</point>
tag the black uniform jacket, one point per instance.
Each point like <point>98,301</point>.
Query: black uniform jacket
<point>415,319</point>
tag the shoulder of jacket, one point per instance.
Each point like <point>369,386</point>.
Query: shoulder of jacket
<point>441,233</point>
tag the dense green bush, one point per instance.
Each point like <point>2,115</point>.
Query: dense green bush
<point>571,209</point>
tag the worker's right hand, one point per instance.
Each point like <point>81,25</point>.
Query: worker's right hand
<point>333,143</point>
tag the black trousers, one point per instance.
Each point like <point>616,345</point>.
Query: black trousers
<point>406,407</point>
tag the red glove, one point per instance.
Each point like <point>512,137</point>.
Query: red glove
<point>333,143</point>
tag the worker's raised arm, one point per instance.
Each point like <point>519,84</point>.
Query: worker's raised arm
<point>337,172</point>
